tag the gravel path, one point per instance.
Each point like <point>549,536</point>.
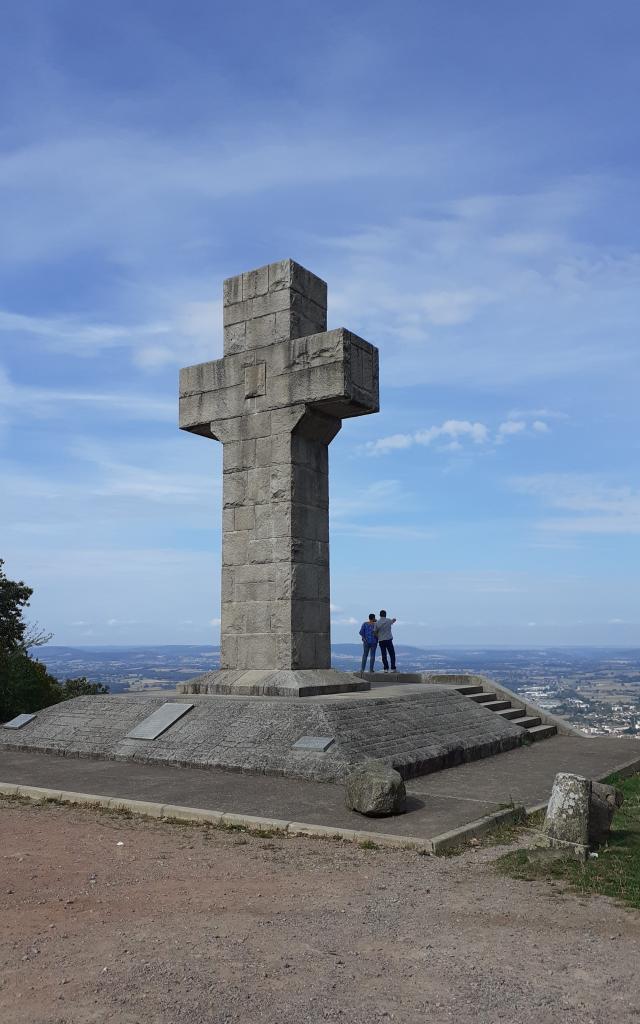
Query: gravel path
<point>109,919</point>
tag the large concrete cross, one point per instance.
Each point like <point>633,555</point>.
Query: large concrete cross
<point>275,401</point>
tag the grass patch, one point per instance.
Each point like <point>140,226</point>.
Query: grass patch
<point>368,844</point>
<point>615,872</point>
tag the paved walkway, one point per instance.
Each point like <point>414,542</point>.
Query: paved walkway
<point>437,803</point>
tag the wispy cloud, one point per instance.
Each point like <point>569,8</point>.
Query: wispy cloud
<point>492,289</point>
<point>592,504</point>
<point>53,403</point>
<point>190,332</point>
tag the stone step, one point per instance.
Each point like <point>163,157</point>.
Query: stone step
<point>541,732</point>
<point>512,713</point>
<point>527,721</point>
<point>483,698</point>
<point>498,705</point>
<point>468,688</point>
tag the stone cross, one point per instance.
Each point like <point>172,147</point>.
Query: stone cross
<point>275,401</point>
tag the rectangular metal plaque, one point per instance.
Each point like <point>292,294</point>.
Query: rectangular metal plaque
<point>158,722</point>
<point>19,721</point>
<point>319,743</point>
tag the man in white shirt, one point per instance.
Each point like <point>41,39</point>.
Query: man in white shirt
<point>385,639</point>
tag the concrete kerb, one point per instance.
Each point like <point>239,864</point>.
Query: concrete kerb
<point>457,836</point>
<point>221,819</point>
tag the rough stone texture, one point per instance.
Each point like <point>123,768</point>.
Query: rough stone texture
<point>567,820</point>
<point>276,401</point>
<point>375,789</point>
<point>275,683</point>
<point>413,734</point>
<point>604,802</point>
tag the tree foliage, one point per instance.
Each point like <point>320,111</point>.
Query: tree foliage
<point>25,684</point>
<point>81,688</point>
<point>14,597</point>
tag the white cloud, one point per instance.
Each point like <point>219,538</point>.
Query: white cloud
<point>450,435</point>
<point>510,427</point>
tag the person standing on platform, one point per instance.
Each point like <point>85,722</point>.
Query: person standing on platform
<point>369,642</point>
<point>385,639</point>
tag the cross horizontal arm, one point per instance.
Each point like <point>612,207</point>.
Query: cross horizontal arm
<point>335,372</point>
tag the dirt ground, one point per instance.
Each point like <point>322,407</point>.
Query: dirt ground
<point>110,919</point>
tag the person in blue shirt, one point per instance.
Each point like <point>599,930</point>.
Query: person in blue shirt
<point>369,642</point>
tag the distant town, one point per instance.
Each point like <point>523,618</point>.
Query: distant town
<point>595,688</point>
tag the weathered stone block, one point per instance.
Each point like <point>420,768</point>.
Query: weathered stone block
<point>258,617</point>
<point>255,282</point>
<point>281,616</point>
<point>235,488</point>
<point>255,380</point>
<point>235,548</point>
<point>263,452</point>
<point>232,290</point>
<point>257,424</point>
<point>256,650</point>
<point>567,820</point>
<point>285,420</point>
<point>375,789</point>
<point>303,648</point>
<point>233,616</point>
<point>280,478</point>
<point>244,518</point>
<point>255,573</point>
<point>254,591</point>
<point>258,481</point>
<point>232,456</point>
<point>260,333</point>
<point>260,551</point>
<point>605,800</point>
<point>235,339</point>
<point>203,377</point>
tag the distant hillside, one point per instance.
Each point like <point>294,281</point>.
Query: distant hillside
<point>162,666</point>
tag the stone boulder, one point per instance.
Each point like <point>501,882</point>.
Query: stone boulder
<point>605,800</point>
<point>375,789</point>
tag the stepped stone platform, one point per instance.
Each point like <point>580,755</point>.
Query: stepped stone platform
<point>417,732</point>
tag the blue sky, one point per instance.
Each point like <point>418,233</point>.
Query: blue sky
<point>464,177</point>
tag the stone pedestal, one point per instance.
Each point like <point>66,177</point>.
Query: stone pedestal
<point>275,682</point>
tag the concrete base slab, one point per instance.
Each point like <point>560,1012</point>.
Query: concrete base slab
<point>424,730</point>
<point>275,683</point>
<point>442,808</point>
